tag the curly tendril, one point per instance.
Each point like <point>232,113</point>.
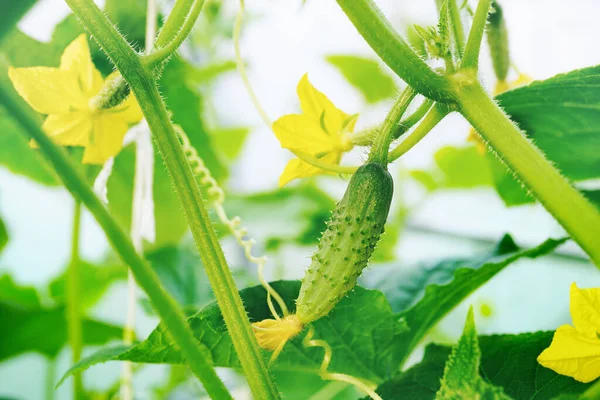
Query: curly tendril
<point>217,199</point>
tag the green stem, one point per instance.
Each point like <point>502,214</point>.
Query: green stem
<point>144,87</point>
<point>570,208</point>
<point>414,118</point>
<point>471,57</point>
<point>73,301</point>
<point>394,51</point>
<point>166,307</point>
<point>175,20</point>
<point>381,144</point>
<point>457,27</point>
<point>435,115</point>
<point>158,56</point>
<point>50,379</point>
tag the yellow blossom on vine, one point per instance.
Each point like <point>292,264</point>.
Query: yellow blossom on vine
<point>65,94</point>
<point>501,87</point>
<point>322,131</point>
<point>575,350</point>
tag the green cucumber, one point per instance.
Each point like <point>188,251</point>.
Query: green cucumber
<point>345,247</point>
<point>497,36</point>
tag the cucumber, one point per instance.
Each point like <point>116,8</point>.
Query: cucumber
<point>497,36</point>
<point>345,247</point>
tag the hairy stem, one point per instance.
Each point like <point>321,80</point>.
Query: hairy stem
<point>570,208</point>
<point>73,301</point>
<point>393,49</point>
<point>174,22</point>
<point>381,144</point>
<point>435,115</point>
<point>413,119</point>
<point>158,56</point>
<point>471,56</point>
<point>144,87</point>
<point>457,27</point>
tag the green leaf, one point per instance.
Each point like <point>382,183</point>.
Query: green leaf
<point>209,72</point>
<point>362,331</point>
<point>94,282</point>
<point>425,295</point>
<point>229,141</point>
<point>12,12</point>
<point>3,235</point>
<point>304,210</point>
<point>185,102</point>
<point>461,375</point>
<point>170,222</point>
<point>562,116</point>
<point>462,167</point>
<point>182,275</point>
<point>366,75</point>
<point>507,361</point>
<point>29,327</point>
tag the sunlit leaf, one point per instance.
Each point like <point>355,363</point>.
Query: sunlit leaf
<point>366,75</point>
<point>507,361</point>
<point>94,282</point>
<point>426,294</point>
<point>229,141</point>
<point>362,330</point>
<point>461,375</point>
<point>29,327</point>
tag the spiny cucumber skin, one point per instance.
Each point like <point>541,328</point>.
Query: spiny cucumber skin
<point>497,35</point>
<point>352,233</point>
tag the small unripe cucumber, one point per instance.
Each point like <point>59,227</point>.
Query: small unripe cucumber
<point>497,35</point>
<point>345,247</point>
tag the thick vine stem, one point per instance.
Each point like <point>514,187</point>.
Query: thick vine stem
<point>394,51</point>
<point>570,208</point>
<point>174,22</point>
<point>144,87</point>
<point>166,307</point>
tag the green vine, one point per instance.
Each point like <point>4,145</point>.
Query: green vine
<point>73,301</point>
<point>143,84</point>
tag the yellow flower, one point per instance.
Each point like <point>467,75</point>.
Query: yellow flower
<point>501,87</point>
<point>321,131</point>
<point>65,95</point>
<point>575,350</point>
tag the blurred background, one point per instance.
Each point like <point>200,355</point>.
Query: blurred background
<point>282,40</point>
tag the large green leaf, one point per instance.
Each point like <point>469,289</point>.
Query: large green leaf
<point>425,295</point>
<point>461,375</point>
<point>562,116</point>
<point>94,281</point>
<point>366,75</point>
<point>182,274</point>
<point>508,361</point>
<point>29,327</point>
<point>362,331</point>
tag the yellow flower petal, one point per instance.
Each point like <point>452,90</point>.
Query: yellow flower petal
<point>317,106</point>
<point>271,333</point>
<point>48,90</point>
<point>129,110</point>
<point>297,168</point>
<point>585,310</point>
<point>573,354</point>
<point>71,129</point>
<point>106,140</point>
<point>77,60</point>
<point>300,132</point>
